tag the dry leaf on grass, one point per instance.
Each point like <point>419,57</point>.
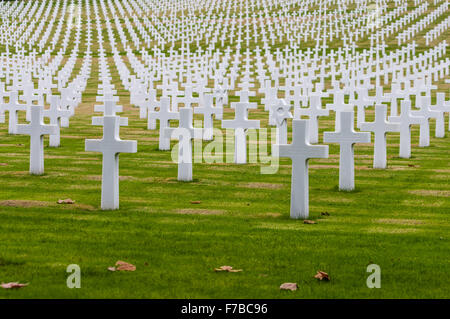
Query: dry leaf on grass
<point>196,202</point>
<point>122,266</point>
<point>227,268</point>
<point>307,221</point>
<point>11,285</point>
<point>66,201</point>
<point>322,275</point>
<point>3,164</point>
<point>324,214</point>
<point>289,286</point>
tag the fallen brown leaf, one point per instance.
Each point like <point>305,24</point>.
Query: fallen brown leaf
<point>11,285</point>
<point>289,286</point>
<point>307,221</point>
<point>196,202</point>
<point>324,214</point>
<point>322,275</point>
<point>227,268</point>
<point>3,164</point>
<point>66,201</point>
<point>123,266</point>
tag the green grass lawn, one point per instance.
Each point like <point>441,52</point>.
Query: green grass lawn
<point>397,218</point>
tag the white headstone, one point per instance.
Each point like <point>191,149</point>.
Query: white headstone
<point>111,146</point>
<point>313,112</point>
<point>164,115</point>
<point>54,113</point>
<point>405,119</point>
<point>13,107</point>
<point>441,107</point>
<point>300,151</point>
<point>208,110</point>
<point>426,112</point>
<point>36,130</point>
<point>185,133</point>
<point>240,125</point>
<point>346,138</point>
<point>380,127</point>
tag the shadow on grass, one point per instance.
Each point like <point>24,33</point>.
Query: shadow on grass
<point>336,189</point>
<point>6,262</point>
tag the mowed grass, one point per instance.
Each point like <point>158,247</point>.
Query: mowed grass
<point>397,218</point>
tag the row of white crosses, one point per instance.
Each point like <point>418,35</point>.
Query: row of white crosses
<point>280,112</point>
<point>300,150</point>
<point>294,110</point>
<point>159,57</point>
<point>128,51</point>
<point>344,134</point>
<point>60,107</point>
<point>306,25</point>
<point>335,74</point>
<point>110,145</point>
<point>278,63</point>
<point>130,12</point>
<point>37,129</point>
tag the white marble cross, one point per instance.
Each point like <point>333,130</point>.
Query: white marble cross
<point>110,146</point>
<point>300,151</point>
<point>380,127</point>
<point>36,130</point>
<point>29,97</point>
<point>405,119</point>
<point>361,102</point>
<point>54,113</point>
<point>425,111</point>
<point>313,112</point>
<point>346,138</point>
<point>208,110</point>
<point>173,92</point>
<point>244,97</point>
<point>68,102</point>
<point>339,106</point>
<point>109,108</point>
<point>240,124</point>
<point>153,103</point>
<point>441,107</point>
<point>271,98</point>
<point>164,115</point>
<point>188,99</point>
<point>13,107</point>
<point>3,93</point>
<point>221,96</point>
<point>185,133</point>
